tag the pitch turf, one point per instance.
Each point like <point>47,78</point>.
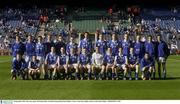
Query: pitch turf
<point>60,89</point>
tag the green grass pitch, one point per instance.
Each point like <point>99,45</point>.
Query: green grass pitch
<point>60,89</point>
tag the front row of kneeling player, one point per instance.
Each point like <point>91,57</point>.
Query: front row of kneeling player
<point>95,67</point>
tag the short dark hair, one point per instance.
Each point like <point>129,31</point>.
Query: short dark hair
<point>86,32</point>
<point>149,36</point>
<point>159,35</point>
<point>39,36</point>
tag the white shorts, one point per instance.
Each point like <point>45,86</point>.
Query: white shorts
<point>110,65</point>
<point>162,60</point>
<point>86,66</point>
<point>122,66</point>
<point>73,65</point>
<point>52,66</point>
<point>41,59</point>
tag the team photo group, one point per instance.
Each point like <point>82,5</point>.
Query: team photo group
<point>112,59</point>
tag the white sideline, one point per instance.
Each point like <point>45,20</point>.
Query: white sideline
<point>4,61</point>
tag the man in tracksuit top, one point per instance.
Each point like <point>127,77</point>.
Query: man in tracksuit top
<point>163,53</point>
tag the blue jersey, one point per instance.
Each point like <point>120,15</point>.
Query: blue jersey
<point>114,46</point>
<point>51,58</point>
<point>70,46</point>
<point>102,46</point>
<point>40,49</point>
<point>146,63</point>
<point>73,59</point>
<point>149,48</point>
<point>84,59</point>
<point>125,46</point>
<point>19,65</point>
<point>120,59</point>
<point>34,65</point>
<point>17,48</point>
<point>133,59</point>
<point>162,49</point>
<point>63,59</point>
<point>109,59</point>
<point>139,49</point>
<point>30,49</point>
<point>85,44</point>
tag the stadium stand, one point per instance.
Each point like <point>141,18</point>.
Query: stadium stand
<point>22,21</point>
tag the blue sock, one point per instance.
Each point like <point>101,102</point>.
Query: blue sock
<point>95,75</point>
<point>113,75</point>
<point>136,75</point>
<point>130,74</point>
<point>89,75</point>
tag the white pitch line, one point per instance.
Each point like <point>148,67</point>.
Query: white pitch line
<point>5,61</point>
<point>174,59</point>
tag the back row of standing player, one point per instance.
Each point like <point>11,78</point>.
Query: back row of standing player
<point>114,55</point>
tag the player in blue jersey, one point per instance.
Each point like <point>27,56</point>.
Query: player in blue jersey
<point>163,53</point>
<point>85,43</point>
<point>125,44</point>
<point>71,45</point>
<point>109,61</point>
<point>40,53</point>
<point>121,64</point>
<point>150,49</point>
<point>101,44</point>
<point>17,47</point>
<point>113,44</point>
<point>62,66</point>
<point>51,64</point>
<point>84,64</point>
<point>19,67</point>
<point>97,63</point>
<point>72,63</point>
<point>149,46</point>
<point>40,50</point>
<point>139,49</point>
<point>30,49</point>
<point>146,66</point>
<point>34,68</point>
<point>133,63</point>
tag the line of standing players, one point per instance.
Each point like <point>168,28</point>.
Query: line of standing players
<point>106,59</point>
